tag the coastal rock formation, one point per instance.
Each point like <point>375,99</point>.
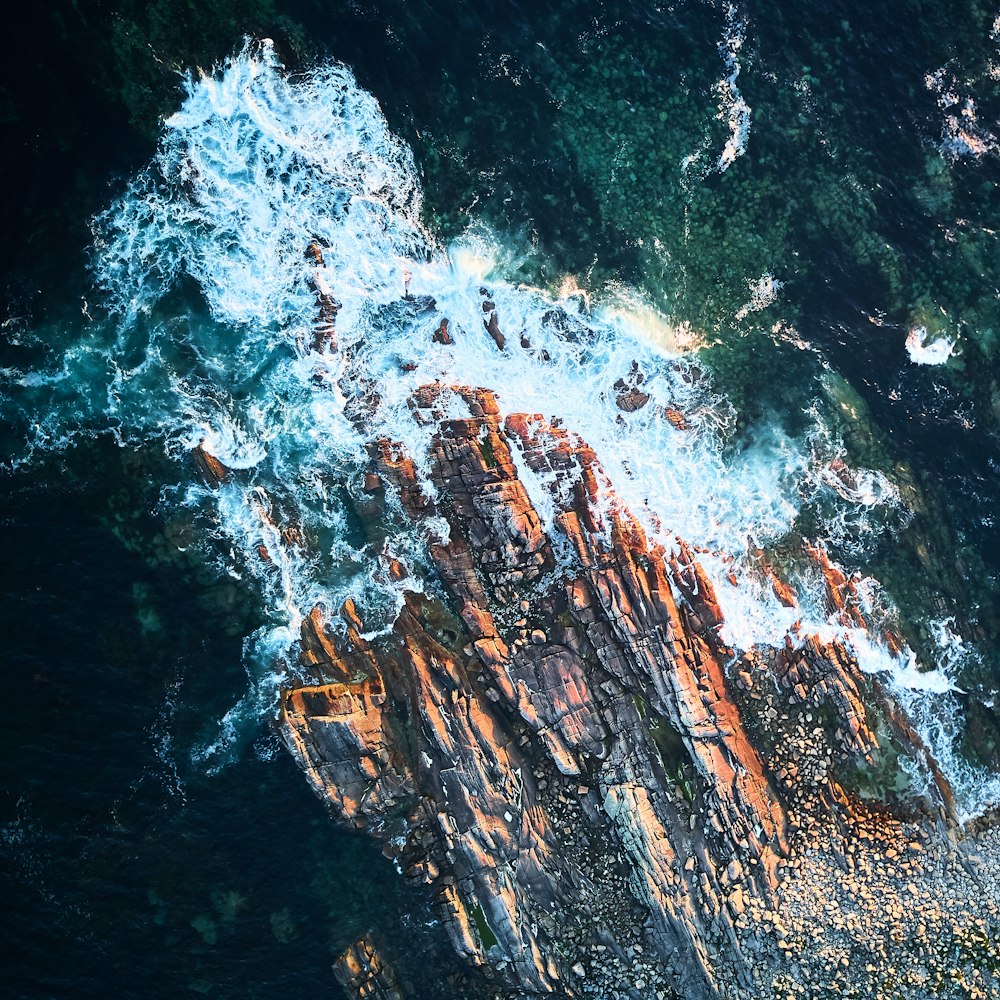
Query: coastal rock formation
<point>559,743</point>
<point>602,797</point>
<point>363,973</point>
<point>324,332</point>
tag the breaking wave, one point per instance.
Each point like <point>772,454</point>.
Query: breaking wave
<point>733,109</point>
<point>210,341</point>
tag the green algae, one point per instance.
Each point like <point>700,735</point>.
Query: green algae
<point>485,448</point>
<point>486,935</point>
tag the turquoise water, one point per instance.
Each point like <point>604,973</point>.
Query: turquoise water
<point>781,216</point>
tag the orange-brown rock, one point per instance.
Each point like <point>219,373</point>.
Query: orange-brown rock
<point>211,470</point>
<point>841,591</point>
<point>364,974</point>
<point>442,335</point>
<point>563,749</point>
<point>784,592</point>
<point>824,674</point>
<point>675,417</point>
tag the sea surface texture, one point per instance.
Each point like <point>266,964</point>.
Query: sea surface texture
<point>746,255</point>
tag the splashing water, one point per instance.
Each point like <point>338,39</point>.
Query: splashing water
<point>923,350</point>
<point>733,109</point>
<point>210,341</point>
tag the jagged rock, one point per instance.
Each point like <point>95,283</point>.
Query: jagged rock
<point>567,736</point>
<point>676,418</point>
<point>628,396</point>
<point>824,674</point>
<point>631,400</point>
<point>364,974</point>
<point>493,327</point>
<point>211,470</point>
<point>442,334</point>
<point>785,594</point>
<point>325,331</point>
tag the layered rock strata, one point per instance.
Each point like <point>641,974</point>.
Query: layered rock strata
<point>363,973</point>
<point>559,743</point>
<point>601,796</point>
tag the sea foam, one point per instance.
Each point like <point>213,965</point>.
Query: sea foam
<point>254,168</point>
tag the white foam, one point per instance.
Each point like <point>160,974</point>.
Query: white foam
<point>733,108</point>
<point>254,168</point>
<point>250,171</point>
<point>963,135</point>
<point>937,714</point>
<point>924,350</point>
<point>855,505</point>
<point>763,292</point>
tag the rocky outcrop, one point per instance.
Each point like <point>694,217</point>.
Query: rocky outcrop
<point>563,748</point>
<point>629,395</point>
<point>211,471</point>
<point>325,330</point>
<point>363,973</point>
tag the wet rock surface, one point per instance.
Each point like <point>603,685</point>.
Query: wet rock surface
<point>602,797</point>
<point>362,972</point>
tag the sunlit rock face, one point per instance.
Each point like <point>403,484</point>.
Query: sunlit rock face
<point>601,795</point>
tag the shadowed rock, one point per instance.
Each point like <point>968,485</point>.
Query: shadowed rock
<point>442,335</point>
<point>325,330</point>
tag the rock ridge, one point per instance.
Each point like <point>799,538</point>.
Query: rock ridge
<point>560,744</point>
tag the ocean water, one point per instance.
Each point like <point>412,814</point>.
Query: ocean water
<point>779,218</point>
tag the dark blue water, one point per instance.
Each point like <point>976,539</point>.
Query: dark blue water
<point>129,865</point>
<point>126,868</point>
